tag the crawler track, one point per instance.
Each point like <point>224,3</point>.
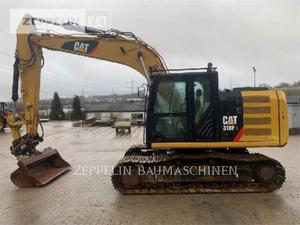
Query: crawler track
<point>256,172</point>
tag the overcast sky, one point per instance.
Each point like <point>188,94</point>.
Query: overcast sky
<point>234,35</point>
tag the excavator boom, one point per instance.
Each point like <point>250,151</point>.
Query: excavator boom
<point>39,168</point>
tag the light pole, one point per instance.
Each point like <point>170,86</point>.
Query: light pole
<point>254,78</point>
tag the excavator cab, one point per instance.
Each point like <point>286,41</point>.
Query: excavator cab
<point>184,107</point>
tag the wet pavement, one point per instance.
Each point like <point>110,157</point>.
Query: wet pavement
<point>86,196</point>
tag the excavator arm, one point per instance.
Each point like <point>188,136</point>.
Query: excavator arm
<point>113,45</point>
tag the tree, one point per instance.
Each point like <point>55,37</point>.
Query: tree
<point>77,113</point>
<point>57,112</point>
<point>296,84</point>
<point>265,85</point>
<point>282,85</point>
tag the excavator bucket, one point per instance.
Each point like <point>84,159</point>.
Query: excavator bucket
<point>39,170</point>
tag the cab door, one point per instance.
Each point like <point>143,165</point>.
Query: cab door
<point>205,107</point>
<point>168,119</point>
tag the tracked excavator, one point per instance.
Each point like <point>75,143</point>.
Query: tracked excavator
<point>192,127</point>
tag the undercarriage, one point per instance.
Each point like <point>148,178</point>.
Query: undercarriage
<point>146,171</point>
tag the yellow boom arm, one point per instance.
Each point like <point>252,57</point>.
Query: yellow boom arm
<point>114,46</point>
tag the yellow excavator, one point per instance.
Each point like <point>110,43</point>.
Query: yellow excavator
<point>196,135</point>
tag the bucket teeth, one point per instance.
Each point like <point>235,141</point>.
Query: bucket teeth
<point>39,170</point>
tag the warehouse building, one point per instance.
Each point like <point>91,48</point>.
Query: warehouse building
<point>107,112</point>
<point>294,114</point>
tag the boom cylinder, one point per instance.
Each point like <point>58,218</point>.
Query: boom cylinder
<point>15,86</point>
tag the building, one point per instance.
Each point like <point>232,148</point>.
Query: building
<point>107,112</point>
<point>294,114</point>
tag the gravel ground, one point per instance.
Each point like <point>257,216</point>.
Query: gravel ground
<point>79,197</point>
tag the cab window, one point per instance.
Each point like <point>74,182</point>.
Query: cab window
<point>170,119</point>
<point>171,97</point>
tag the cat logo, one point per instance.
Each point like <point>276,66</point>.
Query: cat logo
<point>229,123</point>
<point>83,46</point>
